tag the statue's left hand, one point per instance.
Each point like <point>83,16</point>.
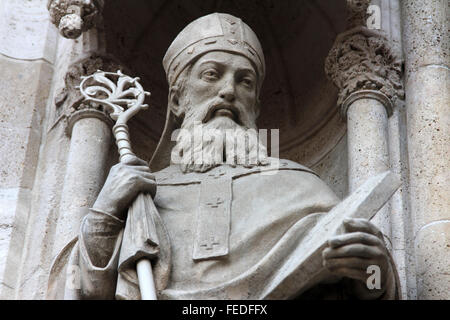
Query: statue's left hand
<point>350,254</point>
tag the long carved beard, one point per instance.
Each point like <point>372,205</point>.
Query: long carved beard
<point>201,147</point>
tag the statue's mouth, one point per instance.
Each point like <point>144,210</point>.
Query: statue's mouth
<point>223,110</point>
<point>224,113</point>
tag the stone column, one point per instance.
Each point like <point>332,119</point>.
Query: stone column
<point>89,129</point>
<point>426,46</point>
<point>43,235</point>
<point>368,76</point>
<point>86,170</point>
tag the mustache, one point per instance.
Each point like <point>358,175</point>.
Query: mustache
<point>222,105</point>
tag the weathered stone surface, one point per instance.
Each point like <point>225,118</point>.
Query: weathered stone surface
<point>14,213</point>
<point>333,168</point>
<point>25,31</point>
<point>361,59</point>
<point>41,227</point>
<point>72,17</point>
<point>21,118</point>
<point>368,153</point>
<point>425,34</point>
<point>429,139</point>
<point>367,125</point>
<point>426,45</point>
<point>86,169</point>
<point>433,255</point>
<point>24,86</point>
<point>401,224</point>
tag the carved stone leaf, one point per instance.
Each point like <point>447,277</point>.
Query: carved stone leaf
<point>360,61</point>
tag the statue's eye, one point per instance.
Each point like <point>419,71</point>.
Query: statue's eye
<point>210,74</point>
<point>248,82</point>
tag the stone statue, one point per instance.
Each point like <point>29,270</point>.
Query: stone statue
<point>229,228</point>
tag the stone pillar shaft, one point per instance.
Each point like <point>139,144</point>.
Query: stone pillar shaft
<point>367,140</point>
<point>426,44</point>
<point>89,156</point>
<point>62,100</point>
<point>363,67</point>
<point>86,170</point>
<point>368,154</point>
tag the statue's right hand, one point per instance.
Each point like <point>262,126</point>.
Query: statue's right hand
<point>125,181</point>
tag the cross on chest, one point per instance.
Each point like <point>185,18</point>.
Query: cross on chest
<point>214,216</point>
<point>217,174</point>
<point>210,243</point>
<point>215,203</point>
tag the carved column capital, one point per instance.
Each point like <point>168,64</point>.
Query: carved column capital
<point>69,101</point>
<point>361,61</point>
<point>73,17</point>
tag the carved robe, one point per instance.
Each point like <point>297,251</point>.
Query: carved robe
<point>234,234</point>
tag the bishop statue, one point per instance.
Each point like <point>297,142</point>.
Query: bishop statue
<point>231,223</point>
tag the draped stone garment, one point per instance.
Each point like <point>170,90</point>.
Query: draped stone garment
<point>271,212</point>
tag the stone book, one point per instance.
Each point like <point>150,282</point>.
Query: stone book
<point>307,269</point>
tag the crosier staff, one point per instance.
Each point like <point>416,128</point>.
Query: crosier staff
<point>122,101</point>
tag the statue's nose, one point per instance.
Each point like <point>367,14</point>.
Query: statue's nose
<point>227,93</point>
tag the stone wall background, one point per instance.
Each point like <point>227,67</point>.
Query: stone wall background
<point>27,57</point>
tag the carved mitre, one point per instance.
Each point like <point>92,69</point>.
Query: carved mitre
<point>213,32</point>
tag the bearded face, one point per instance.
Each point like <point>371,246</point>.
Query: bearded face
<point>219,105</point>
